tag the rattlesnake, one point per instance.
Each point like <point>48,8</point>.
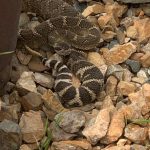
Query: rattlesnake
<point>68,32</point>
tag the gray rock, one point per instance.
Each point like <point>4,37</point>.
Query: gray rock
<point>115,70</point>
<point>134,65</point>
<point>10,135</point>
<point>135,1</point>
<point>58,134</point>
<point>70,121</point>
<point>44,80</point>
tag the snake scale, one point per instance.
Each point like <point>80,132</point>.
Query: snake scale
<point>65,29</point>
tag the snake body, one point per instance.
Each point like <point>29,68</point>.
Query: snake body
<point>67,31</point>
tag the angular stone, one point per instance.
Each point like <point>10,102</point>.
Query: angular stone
<point>116,127</point>
<point>71,145</point>
<point>119,53</point>
<point>31,101</point>
<point>59,134</point>
<point>93,9</point>
<point>44,80</point>
<point>32,127</point>
<point>111,86</point>
<point>24,147</point>
<point>145,60</point>
<point>135,133</point>
<point>71,121</point>
<point>134,65</point>
<point>115,70</point>
<point>26,82</point>
<point>132,32</point>
<point>125,88</point>
<point>98,127</point>
<point>23,58</point>
<point>143,28</point>
<point>10,135</point>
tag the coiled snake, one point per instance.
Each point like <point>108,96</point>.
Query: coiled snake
<point>69,33</point>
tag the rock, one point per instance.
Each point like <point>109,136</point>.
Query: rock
<point>108,35</point>
<point>24,19</point>
<point>17,69</point>
<point>116,127</point>
<point>135,2</point>
<point>71,145</point>
<point>126,147</point>
<point>115,9</point>
<point>120,36</point>
<point>44,80</point>
<point>24,147</point>
<point>26,82</point>
<point>134,65</point>
<point>96,59</point>
<point>115,70</point>
<point>52,102</point>
<point>59,134</point>
<point>23,58</point>
<point>111,86</point>
<point>10,135</point>
<point>93,9</point>
<point>146,48</point>
<point>138,147</point>
<point>127,75</point>
<point>126,22</point>
<point>31,101</point>
<point>41,90</point>
<point>97,127</point>
<point>135,133</point>
<point>125,88</point>
<point>10,112</point>
<point>71,121</point>
<point>145,60</point>
<point>36,65</point>
<point>146,9</point>
<point>32,127</point>
<point>143,28</point>
<point>143,74</point>
<point>132,32</point>
<point>119,53</point>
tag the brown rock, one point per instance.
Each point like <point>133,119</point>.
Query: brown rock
<point>132,32</point>
<point>115,9</point>
<point>74,145</point>
<point>135,133</point>
<point>143,28</point>
<point>32,127</point>
<point>31,101</point>
<point>36,65</point>
<point>23,58</point>
<point>111,86</point>
<point>125,88</point>
<point>98,129</point>
<point>116,128</point>
<point>93,9</point>
<point>24,147</point>
<point>119,53</point>
<point>145,60</point>
<point>126,147</point>
<point>51,102</point>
